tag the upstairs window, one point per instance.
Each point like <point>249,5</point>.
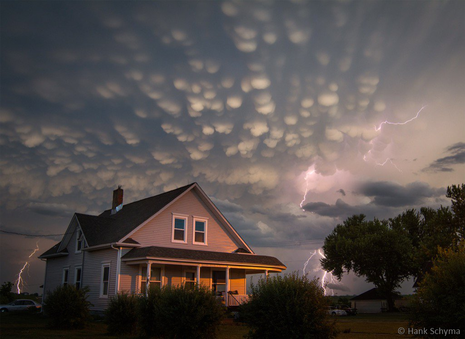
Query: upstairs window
<point>79,241</point>
<point>179,229</point>
<point>200,231</point>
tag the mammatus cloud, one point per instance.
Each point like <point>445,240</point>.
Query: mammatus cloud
<point>445,164</point>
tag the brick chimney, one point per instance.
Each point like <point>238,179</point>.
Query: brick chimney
<point>117,200</point>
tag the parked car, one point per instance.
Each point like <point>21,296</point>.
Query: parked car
<point>350,311</point>
<point>20,305</point>
<point>335,311</point>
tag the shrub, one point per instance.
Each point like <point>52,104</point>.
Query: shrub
<point>440,299</point>
<point>121,314</point>
<point>288,306</point>
<point>67,307</point>
<point>148,313</point>
<point>189,312</point>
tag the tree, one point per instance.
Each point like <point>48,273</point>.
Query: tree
<point>440,299</point>
<point>457,195</point>
<point>373,249</point>
<point>5,292</point>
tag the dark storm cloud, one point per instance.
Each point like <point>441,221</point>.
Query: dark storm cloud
<point>339,210</point>
<point>443,164</point>
<point>390,194</point>
<point>342,192</point>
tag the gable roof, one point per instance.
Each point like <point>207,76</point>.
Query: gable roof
<point>108,228</point>
<point>168,253</point>
<point>373,294</point>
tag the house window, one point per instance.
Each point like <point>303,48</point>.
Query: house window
<point>155,278</point>
<point>78,277</point>
<point>219,281</point>
<point>200,231</point>
<point>190,280</point>
<point>105,282</point>
<point>79,241</point>
<point>65,276</point>
<point>179,229</point>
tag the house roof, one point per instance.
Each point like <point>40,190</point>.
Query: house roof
<point>373,294</point>
<point>53,251</point>
<point>163,253</point>
<point>108,228</point>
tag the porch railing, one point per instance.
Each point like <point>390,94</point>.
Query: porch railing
<point>237,299</point>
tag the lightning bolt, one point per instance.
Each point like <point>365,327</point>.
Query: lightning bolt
<point>308,260</point>
<point>399,123</point>
<point>20,281</point>
<point>327,276</point>
<point>307,176</point>
<point>388,160</point>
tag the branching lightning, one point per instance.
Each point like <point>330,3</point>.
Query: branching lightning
<point>20,281</point>
<point>307,176</point>
<point>388,160</point>
<point>327,276</point>
<point>399,123</point>
<point>308,260</point>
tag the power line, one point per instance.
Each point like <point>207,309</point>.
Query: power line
<point>31,235</point>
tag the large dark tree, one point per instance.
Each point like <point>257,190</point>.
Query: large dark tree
<point>373,249</point>
<point>388,252</point>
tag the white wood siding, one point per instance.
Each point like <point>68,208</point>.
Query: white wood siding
<point>158,231</point>
<point>55,266</point>
<point>92,273</point>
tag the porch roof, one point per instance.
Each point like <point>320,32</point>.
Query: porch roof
<point>197,256</point>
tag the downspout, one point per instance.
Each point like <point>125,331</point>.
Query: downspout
<point>45,280</point>
<point>118,268</point>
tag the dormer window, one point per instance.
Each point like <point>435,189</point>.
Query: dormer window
<point>200,231</point>
<point>179,228</point>
<point>79,241</point>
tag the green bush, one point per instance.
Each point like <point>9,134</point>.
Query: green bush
<point>121,314</point>
<point>189,312</point>
<point>288,306</point>
<point>67,307</point>
<point>149,313</point>
<point>440,300</point>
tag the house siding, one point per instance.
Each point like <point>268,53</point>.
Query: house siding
<point>128,276</point>
<point>158,231</point>
<point>237,281</point>
<point>93,272</point>
<point>55,266</point>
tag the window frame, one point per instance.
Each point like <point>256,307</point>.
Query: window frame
<point>102,281</point>
<point>186,281</point>
<point>205,221</point>
<point>216,284</point>
<point>65,282</point>
<point>173,229</point>
<point>143,276</point>
<point>79,240</point>
<point>76,269</point>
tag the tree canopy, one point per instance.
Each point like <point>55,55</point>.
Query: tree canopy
<point>386,252</point>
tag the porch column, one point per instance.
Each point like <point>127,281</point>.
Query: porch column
<point>149,269</point>
<point>266,274</point>
<point>197,276</point>
<point>226,299</point>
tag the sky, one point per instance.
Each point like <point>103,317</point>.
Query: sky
<point>291,115</point>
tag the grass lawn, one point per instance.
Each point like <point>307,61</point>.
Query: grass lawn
<point>24,325</point>
<point>385,325</point>
<point>19,326</point>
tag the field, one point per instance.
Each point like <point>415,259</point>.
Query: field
<point>20,326</point>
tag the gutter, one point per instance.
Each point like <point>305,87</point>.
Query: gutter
<point>110,245</point>
<point>118,267</point>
